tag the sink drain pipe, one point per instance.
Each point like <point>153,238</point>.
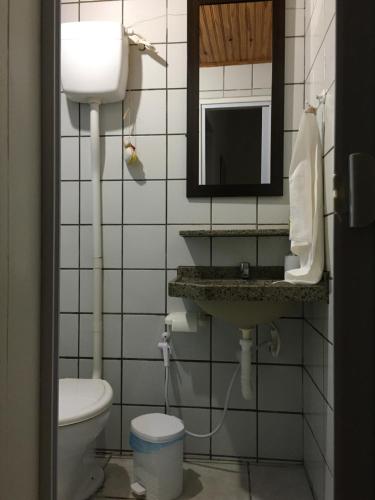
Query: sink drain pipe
<point>246,343</point>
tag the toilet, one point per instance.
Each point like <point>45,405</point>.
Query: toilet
<point>84,408</point>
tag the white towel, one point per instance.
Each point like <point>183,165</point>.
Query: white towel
<point>306,203</point>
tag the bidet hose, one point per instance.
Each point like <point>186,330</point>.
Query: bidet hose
<point>226,404</point>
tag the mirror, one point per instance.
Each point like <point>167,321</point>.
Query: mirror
<point>235,98</point>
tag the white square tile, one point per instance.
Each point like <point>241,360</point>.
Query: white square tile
<point>143,382</point>
<point>128,413</point>
<point>291,336</point>
<point>111,291</point>
<point>314,410</point>
<point>111,199</point>
<point>280,388</point>
<point>86,244</point>
<point>314,463</point>
<point>320,315</point>
<point>272,250</point>
<point>215,94</point>
<point>69,203</point>
<point>68,335</point>
<point>184,348</point>
<point>68,290</point>
<point>111,335</point>
<point>111,246</point>
<point>110,118</point>
<point>111,158</point>
<point>144,203</point>
<point>198,421</point>
<point>144,291</point>
<point>152,152</point>
<point>138,250</point>
<point>69,116</point>
<point>234,210</point>
<point>329,242</point>
<point>222,374</point>
<point>295,4</point>
<point>329,137</point>
<point>232,251</point>
<point>148,19</point>
<point>99,11</point>
<point>294,60</point>
<point>86,202</point>
<point>225,341</point>
<point>186,251</point>
<point>329,372</point>
<point>270,482</point>
<point>237,437</point>
<point>148,69</point>
<point>241,93</point>
<point>294,22</point>
<point>238,77</point>
<point>85,290</point>
<point>275,209</point>
<point>313,356</point>
<point>69,13</point>
<point>68,368</point>
<point>293,106</point>
<point>176,111</point>
<point>330,55</point>
<point>177,157</point>
<point>69,158</point>
<point>186,210</point>
<point>262,76</point>
<point>190,384</point>
<point>141,335</point>
<point>177,20</point>
<point>177,65</point>
<point>145,112</point>
<point>280,436</point>
<point>211,78</point>
<point>69,246</point>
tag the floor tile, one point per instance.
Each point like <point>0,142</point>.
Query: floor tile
<point>279,483</point>
<point>203,480</point>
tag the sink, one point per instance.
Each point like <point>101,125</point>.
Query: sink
<point>262,298</point>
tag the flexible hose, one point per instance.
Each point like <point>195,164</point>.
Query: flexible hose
<point>226,403</point>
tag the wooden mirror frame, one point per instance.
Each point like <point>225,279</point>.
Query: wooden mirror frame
<point>275,188</point>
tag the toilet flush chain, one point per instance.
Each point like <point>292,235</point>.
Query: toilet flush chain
<point>246,344</point>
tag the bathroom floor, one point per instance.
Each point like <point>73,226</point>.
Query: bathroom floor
<point>217,480</point>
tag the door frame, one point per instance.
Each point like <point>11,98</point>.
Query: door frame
<point>50,216</point>
<point>354,259</point>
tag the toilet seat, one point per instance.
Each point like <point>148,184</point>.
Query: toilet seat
<point>82,399</point>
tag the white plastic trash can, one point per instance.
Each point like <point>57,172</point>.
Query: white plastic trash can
<point>157,442</point>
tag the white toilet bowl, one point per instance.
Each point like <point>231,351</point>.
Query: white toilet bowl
<point>84,408</point>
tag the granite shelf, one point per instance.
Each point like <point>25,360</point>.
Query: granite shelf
<point>225,284</point>
<point>232,233</point>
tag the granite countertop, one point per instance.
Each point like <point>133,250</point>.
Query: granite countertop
<point>226,284</point>
<point>232,233</point>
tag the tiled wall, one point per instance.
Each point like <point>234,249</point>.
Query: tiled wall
<point>144,208</point>
<point>318,324</point>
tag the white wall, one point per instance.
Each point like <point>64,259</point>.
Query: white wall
<point>144,209</point>
<point>318,326</point>
<point>20,171</point>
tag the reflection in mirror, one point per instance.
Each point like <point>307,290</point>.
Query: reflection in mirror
<point>235,93</point>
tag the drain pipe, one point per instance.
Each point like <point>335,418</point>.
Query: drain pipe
<point>97,242</point>
<point>246,343</point>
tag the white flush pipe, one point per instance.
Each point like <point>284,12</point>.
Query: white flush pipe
<point>97,242</point>
<point>246,343</point>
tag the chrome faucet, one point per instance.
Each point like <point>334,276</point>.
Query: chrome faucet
<point>245,270</point>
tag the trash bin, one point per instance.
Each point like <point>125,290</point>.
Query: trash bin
<point>157,441</point>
